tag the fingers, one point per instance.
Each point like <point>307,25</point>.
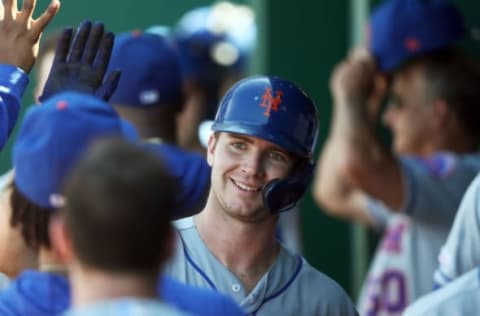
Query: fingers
<point>358,66</point>
<point>360,53</point>
<point>93,43</point>
<point>63,45</point>
<point>43,20</point>
<point>9,9</point>
<point>79,41</point>
<point>109,85</point>
<point>24,17</point>
<point>27,10</point>
<point>363,57</point>
<point>352,81</point>
<point>103,56</point>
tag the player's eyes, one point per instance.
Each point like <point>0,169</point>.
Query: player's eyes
<point>238,145</point>
<point>278,157</point>
<point>395,101</point>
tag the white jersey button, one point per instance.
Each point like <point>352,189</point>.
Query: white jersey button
<point>236,288</point>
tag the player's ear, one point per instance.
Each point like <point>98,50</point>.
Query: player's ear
<point>60,239</point>
<point>441,114</point>
<point>212,142</point>
<point>170,243</point>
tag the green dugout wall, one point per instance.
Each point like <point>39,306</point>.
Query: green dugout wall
<point>301,40</point>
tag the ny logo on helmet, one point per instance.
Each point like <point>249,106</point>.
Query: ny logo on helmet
<point>269,102</point>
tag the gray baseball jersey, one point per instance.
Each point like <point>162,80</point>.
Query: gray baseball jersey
<point>461,252</point>
<point>403,266</point>
<point>460,297</point>
<point>290,287</point>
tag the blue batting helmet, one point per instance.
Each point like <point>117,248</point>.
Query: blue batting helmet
<point>277,111</point>
<point>403,29</point>
<point>214,41</point>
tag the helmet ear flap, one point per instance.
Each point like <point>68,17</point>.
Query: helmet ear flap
<point>280,195</point>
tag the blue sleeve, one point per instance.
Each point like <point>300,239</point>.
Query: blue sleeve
<point>8,299</point>
<point>197,301</point>
<point>435,186</point>
<point>13,82</point>
<point>192,173</point>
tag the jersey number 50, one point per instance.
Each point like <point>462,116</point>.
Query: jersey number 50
<point>390,295</point>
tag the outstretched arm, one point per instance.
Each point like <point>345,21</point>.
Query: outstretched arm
<point>19,36</point>
<point>354,163</point>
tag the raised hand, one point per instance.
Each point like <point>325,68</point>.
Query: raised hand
<point>352,81</point>
<point>20,33</point>
<point>80,65</point>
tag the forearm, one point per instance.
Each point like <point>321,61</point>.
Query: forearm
<point>368,166</point>
<point>363,148</point>
<point>13,82</point>
<point>358,159</point>
<point>332,188</point>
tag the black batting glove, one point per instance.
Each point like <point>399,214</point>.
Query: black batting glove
<point>80,65</point>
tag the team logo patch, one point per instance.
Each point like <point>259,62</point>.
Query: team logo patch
<point>61,105</point>
<point>269,102</point>
<point>57,200</point>
<point>393,239</point>
<point>440,165</point>
<point>149,96</point>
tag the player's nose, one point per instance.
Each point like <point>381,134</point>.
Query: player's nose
<point>388,117</point>
<point>253,165</point>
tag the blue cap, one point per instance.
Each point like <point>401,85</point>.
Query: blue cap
<point>52,138</point>
<point>191,171</point>
<point>214,40</point>
<point>150,68</point>
<point>402,29</point>
<point>197,57</point>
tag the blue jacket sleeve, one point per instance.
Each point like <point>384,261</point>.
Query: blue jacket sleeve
<point>13,82</point>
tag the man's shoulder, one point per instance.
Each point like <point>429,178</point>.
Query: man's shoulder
<point>437,183</point>
<point>330,298</point>
<point>459,295</point>
<point>444,164</point>
<point>188,243</point>
<point>318,280</point>
<point>35,293</point>
<point>311,280</point>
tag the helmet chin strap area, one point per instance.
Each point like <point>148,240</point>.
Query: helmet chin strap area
<point>280,195</point>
